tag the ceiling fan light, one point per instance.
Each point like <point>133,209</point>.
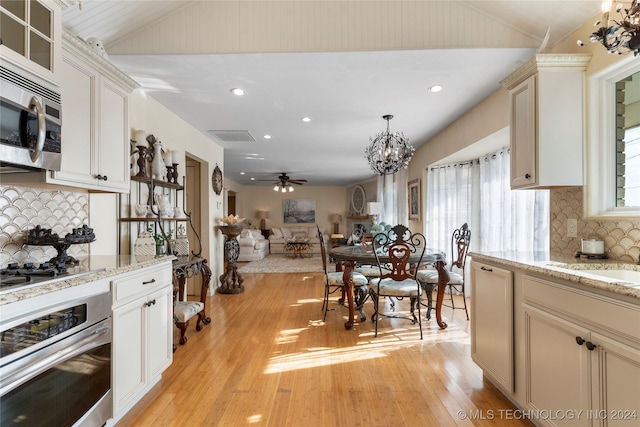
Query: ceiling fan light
<point>276,187</point>
<point>290,189</point>
<point>284,189</point>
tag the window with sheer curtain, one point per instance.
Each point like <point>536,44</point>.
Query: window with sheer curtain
<point>478,192</point>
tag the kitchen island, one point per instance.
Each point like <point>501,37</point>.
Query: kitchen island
<point>557,337</point>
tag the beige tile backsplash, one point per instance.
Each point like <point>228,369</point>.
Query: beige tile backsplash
<point>22,208</point>
<point>621,237</point>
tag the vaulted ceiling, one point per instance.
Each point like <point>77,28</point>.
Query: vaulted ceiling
<point>344,64</point>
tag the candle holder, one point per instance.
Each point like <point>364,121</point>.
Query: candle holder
<point>170,170</point>
<point>142,161</point>
<point>174,173</point>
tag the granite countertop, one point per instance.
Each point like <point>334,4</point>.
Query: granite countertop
<point>97,267</point>
<point>566,267</point>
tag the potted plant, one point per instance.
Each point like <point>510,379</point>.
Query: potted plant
<point>160,240</point>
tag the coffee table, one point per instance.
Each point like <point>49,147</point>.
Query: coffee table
<point>297,248</point>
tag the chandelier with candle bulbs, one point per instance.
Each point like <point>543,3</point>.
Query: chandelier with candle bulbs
<point>389,152</point>
<point>618,36</point>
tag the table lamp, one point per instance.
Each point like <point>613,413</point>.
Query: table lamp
<point>374,209</point>
<point>262,215</point>
<point>336,219</point>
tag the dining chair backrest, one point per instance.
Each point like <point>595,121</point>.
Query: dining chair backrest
<point>460,246</point>
<point>399,245</point>
<point>323,251</point>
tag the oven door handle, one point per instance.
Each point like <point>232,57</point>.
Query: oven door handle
<point>22,370</point>
<point>36,107</point>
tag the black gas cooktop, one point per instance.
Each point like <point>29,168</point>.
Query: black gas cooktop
<point>15,276</point>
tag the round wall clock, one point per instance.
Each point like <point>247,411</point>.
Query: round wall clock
<point>216,180</point>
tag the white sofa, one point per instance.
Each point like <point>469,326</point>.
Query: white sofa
<point>279,235</point>
<point>253,245</point>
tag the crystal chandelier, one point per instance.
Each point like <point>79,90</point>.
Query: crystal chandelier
<point>618,37</point>
<point>388,152</point>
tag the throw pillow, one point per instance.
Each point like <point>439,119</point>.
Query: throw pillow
<point>286,233</point>
<point>256,234</point>
<point>277,233</point>
<point>246,241</point>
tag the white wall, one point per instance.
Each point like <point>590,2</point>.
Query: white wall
<point>147,114</point>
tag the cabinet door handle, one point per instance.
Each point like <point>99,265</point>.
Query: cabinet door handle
<point>101,177</point>
<point>486,269</point>
<point>591,346</point>
<point>150,303</point>
<point>149,281</point>
<point>527,176</point>
<point>580,341</point>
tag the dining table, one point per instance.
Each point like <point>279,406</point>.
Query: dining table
<point>347,257</point>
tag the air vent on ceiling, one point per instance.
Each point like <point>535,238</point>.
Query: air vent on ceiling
<point>233,135</point>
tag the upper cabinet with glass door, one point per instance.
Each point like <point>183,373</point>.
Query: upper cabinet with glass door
<point>31,33</point>
<point>613,152</point>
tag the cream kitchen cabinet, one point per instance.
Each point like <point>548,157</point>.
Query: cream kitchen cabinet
<point>31,38</point>
<point>547,121</point>
<point>492,322</point>
<point>95,112</point>
<point>142,333</point>
<point>582,354</point>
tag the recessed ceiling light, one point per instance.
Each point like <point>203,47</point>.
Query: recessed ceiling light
<point>306,119</point>
<point>253,178</point>
<point>267,137</point>
<point>435,88</point>
<point>241,173</point>
<point>238,92</point>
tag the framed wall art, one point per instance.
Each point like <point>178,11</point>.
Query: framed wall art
<point>301,211</point>
<point>413,192</point>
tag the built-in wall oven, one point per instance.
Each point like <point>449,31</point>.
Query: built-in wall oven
<point>30,124</point>
<point>55,365</point>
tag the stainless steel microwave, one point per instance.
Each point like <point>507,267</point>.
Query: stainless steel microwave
<point>30,124</point>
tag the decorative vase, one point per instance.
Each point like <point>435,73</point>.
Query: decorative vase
<point>160,248</point>
<point>181,244</point>
<point>164,204</point>
<point>158,168</point>
<point>144,245</point>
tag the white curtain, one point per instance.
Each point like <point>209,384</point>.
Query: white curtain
<point>478,192</point>
<point>391,190</point>
<point>452,193</point>
<point>515,220</point>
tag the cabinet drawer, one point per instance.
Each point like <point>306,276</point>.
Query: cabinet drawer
<point>139,282</point>
<point>609,314</point>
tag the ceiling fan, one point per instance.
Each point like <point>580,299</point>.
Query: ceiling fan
<point>283,183</point>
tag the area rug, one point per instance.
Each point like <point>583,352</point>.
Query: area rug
<point>276,263</point>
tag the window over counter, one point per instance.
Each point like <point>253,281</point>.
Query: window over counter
<point>613,151</point>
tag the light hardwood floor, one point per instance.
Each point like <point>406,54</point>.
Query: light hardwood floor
<point>267,359</point>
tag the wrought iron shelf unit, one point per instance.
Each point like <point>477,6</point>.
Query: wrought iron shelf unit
<point>160,222</point>
<point>157,183</point>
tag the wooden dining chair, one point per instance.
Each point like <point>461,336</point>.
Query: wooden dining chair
<point>333,282</point>
<point>428,278</point>
<point>398,253</point>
